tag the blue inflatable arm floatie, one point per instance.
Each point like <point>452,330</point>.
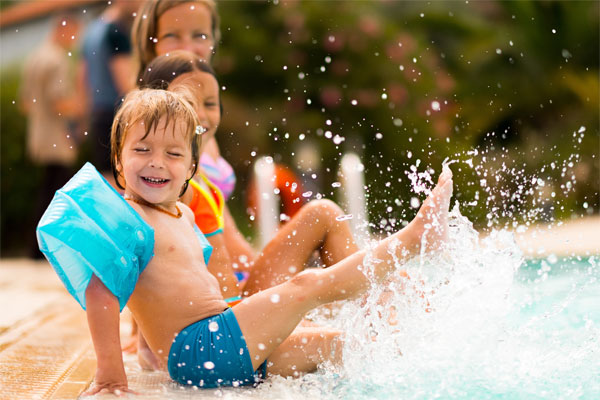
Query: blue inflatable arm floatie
<point>88,229</point>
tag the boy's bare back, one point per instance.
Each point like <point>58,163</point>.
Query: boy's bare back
<point>175,289</point>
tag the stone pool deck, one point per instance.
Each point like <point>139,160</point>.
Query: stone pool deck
<point>46,350</point>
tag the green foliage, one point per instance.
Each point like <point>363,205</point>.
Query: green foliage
<point>514,81</point>
<point>19,178</point>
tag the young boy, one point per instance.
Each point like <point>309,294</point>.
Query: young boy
<point>177,302</point>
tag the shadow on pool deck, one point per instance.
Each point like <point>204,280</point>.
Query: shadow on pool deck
<point>46,350</point>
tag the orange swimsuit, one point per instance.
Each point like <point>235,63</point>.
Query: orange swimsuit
<point>207,206</point>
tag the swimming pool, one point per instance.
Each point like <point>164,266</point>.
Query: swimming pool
<point>476,320</point>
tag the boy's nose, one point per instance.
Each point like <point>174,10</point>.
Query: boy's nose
<point>157,161</point>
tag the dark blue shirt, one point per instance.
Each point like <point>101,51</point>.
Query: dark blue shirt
<point>101,43</point>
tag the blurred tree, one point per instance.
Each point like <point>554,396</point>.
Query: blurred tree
<point>405,81</point>
<point>510,89</point>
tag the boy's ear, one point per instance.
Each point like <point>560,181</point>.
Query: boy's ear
<point>119,173</point>
<point>118,166</point>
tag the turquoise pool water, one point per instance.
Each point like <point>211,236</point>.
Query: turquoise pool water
<point>476,320</point>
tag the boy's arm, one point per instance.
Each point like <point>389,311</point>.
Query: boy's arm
<point>238,247</point>
<point>102,309</point>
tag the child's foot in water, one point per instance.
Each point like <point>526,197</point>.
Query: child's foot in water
<point>430,226</point>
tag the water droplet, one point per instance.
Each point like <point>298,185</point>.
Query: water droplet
<point>274,298</point>
<point>213,326</point>
<point>414,202</point>
<point>261,346</point>
<point>209,365</point>
<point>344,217</point>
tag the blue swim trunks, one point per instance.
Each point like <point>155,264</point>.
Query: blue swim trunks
<point>211,353</point>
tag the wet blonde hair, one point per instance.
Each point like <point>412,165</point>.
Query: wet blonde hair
<point>145,25</point>
<point>150,106</point>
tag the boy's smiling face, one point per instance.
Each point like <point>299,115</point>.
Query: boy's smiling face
<point>156,166</point>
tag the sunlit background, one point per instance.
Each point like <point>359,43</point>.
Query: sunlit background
<point>507,89</point>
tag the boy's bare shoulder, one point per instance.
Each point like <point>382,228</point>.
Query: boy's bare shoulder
<point>188,214</point>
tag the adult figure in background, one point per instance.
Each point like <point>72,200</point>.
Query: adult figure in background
<point>109,74</point>
<point>50,100</point>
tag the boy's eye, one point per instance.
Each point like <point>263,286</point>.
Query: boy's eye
<point>174,154</point>
<point>140,149</point>
<point>168,35</point>
<point>210,104</point>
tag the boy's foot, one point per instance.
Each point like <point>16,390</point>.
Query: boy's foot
<point>430,226</point>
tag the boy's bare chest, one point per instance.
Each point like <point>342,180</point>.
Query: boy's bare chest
<point>176,241</point>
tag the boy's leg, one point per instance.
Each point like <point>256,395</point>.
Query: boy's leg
<point>314,227</point>
<point>304,350</point>
<point>269,317</point>
<point>146,358</point>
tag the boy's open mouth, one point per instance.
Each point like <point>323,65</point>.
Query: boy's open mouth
<point>155,181</point>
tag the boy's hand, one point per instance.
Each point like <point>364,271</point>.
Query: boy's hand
<point>109,382</point>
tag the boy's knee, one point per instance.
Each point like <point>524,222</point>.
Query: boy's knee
<point>306,279</point>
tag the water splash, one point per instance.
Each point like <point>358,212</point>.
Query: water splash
<point>460,326</point>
